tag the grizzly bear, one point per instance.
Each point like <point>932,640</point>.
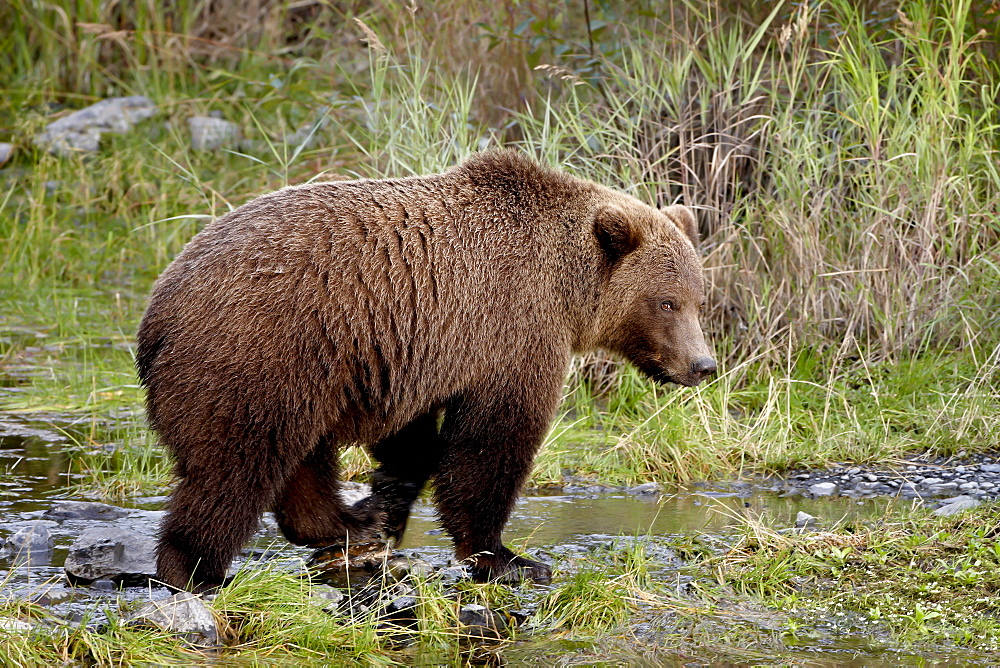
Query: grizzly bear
<point>430,318</point>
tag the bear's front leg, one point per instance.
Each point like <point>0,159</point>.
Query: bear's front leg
<point>490,440</point>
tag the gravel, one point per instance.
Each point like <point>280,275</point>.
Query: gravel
<point>951,485</point>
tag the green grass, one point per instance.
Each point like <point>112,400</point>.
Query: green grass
<point>914,578</point>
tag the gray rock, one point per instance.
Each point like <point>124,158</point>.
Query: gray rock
<point>944,488</point>
<point>866,487</point>
<point>84,510</point>
<point>111,553</point>
<point>647,488</point>
<point>31,544</point>
<point>481,622</point>
<point>6,150</point>
<point>930,482</point>
<point>966,486</point>
<point>400,604</point>
<point>49,595</point>
<point>398,567</point>
<point>989,468</point>
<point>803,520</point>
<point>184,614</point>
<point>853,471</point>
<point>330,597</point>
<point>455,573</point>
<point>823,489</point>
<point>81,131</point>
<point>955,506</point>
<point>12,625</point>
<point>104,585</point>
<point>210,134</point>
<point>954,499</point>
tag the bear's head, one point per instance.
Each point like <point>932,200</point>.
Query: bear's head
<point>653,290</point>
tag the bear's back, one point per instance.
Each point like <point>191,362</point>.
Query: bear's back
<point>380,296</point>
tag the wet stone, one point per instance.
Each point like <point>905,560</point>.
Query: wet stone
<point>955,506</point>
<point>803,520</point>
<point>14,625</point>
<point>400,566</point>
<point>31,544</point>
<point>46,594</point>
<point>479,621</point>
<point>104,585</point>
<point>454,573</point>
<point>394,603</point>
<point>648,488</point>
<point>944,488</point>
<point>123,556</point>
<point>823,489</point>
<point>329,597</point>
<point>989,468</point>
<point>400,604</point>
<point>588,489</point>
<point>184,614</point>
<point>84,510</point>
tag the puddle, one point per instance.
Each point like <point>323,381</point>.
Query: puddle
<point>36,459</point>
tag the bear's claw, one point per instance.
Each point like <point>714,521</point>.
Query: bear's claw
<point>508,568</point>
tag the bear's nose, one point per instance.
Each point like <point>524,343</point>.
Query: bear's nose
<point>703,367</point>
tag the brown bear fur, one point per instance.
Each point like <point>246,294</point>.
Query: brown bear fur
<point>431,318</point>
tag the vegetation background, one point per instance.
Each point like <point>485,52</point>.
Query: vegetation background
<point>841,156</point>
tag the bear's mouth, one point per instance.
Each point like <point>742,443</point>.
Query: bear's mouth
<point>656,373</point>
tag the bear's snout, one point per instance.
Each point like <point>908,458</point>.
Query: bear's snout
<point>702,368</point>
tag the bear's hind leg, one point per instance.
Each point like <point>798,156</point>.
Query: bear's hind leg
<point>204,529</point>
<point>407,460</point>
<point>310,510</point>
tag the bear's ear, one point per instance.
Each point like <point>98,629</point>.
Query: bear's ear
<point>615,233</point>
<point>684,219</point>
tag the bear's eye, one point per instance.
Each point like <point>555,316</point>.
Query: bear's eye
<point>668,305</point>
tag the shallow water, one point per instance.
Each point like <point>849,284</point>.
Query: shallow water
<point>35,459</point>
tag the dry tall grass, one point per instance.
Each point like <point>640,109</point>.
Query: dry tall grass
<point>842,158</point>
